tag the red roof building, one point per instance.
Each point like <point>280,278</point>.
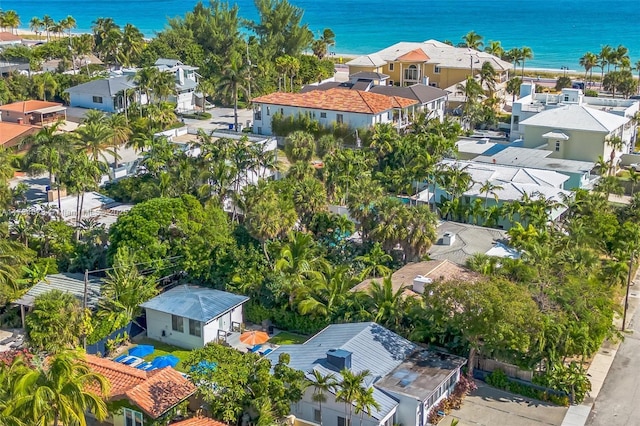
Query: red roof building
<point>199,421</point>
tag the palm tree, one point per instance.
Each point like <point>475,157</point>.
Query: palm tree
<point>616,144</point>
<point>96,138</point>
<point>488,77</point>
<point>490,188</point>
<point>376,261</point>
<point>588,61</point>
<point>36,25</point>
<point>321,45</point>
<point>604,58</point>
<point>68,23</point>
<point>121,132</point>
<point>299,146</point>
<point>59,392</point>
<point>130,45</point>
<point>48,23</point>
<point>10,19</point>
<point>525,53</point>
<point>637,68</point>
<point>348,389</point>
<point>325,292</point>
<point>322,384</point>
<point>234,79</point>
<point>495,48</point>
<point>365,402</point>
<point>472,40</point>
<point>387,304</point>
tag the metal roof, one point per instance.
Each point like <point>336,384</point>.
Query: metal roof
<point>576,117</point>
<point>372,348</point>
<point>196,303</point>
<point>535,159</point>
<point>107,87</point>
<point>68,283</point>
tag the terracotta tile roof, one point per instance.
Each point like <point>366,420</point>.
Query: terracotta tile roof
<point>10,131</point>
<point>416,55</point>
<point>7,36</point>
<point>338,100</point>
<point>29,106</point>
<point>154,392</point>
<point>199,421</point>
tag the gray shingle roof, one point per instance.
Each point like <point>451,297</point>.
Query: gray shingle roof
<point>420,92</point>
<point>372,346</point>
<point>196,303</point>
<point>68,283</point>
<point>577,117</point>
<point>106,87</point>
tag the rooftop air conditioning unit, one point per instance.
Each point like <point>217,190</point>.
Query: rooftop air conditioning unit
<point>448,238</point>
<point>419,283</point>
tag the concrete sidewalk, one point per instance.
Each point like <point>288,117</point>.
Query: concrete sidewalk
<point>577,415</point>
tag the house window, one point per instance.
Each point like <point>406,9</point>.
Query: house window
<point>391,66</point>
<point>339,118</point>
<point>390,82</point>
<point>411,73</point>
<point>177,324</point>
<point>433,84</point>
<point>268,110</point>
<point>282,111</point>
<point>97,99</point>
<point>195,328</point>
<point>516,120</point>
<point>557,146</point>
<point>566,98</point>
<point>316,416</point>
<point>436,69</point>
<point>323,115</point>
<point>132,418</point>
<point>343,422</point>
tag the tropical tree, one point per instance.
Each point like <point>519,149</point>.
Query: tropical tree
<point>365,402</point>
<point>96,138</point>
<point>10,19</point>
<point>525,53</point>
<point>472,40</point>
<point>495,48</point>
<point>634,178</point>
<point>387,304</point>
<point>351,385</point>
<point>68,23</point>
<point>321,45</point>
<point>121,132</point>
<point>488,77</point>
<point>326,292</point>
<point>234,79</point>
<point>513,87</point>
<point>299,146</point>
<point>604,58</point>
<point>36,25</point>
<point>490,188</point>
<point>376,262</point>
<point>60,391</point>
<point>131,45</point>
<point>322,384</point>
<point>588,61</point>
<point>48,23</point>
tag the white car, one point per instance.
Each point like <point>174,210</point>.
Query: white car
<point>635,166</point>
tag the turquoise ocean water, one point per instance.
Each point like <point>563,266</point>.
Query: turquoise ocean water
<point>558,31</point>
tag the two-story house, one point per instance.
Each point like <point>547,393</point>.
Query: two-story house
<point>186,79</point>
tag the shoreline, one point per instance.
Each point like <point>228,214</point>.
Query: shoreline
<point>346,56</point>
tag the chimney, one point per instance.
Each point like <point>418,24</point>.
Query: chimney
<point>339,358</point>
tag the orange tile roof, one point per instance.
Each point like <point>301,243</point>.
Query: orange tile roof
<point>28,106</point>
<point>338,100</point>
<point>416,55</point>
<point>10,131</point>
<point>154,392</point>
<point>7,36</point>
<point>199,421</point>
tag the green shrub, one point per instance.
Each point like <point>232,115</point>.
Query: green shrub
<point>284,319</point>
<point>591,93</point>
<point>197,116</point>
<point>500,380</point>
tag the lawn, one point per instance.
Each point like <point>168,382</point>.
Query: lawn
<point>286,338</point>
<point>163,349</point>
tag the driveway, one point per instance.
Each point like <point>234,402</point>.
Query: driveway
<point>221,118</point>
<point>490,406</point>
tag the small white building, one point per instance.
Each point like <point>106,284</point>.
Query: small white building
<point>190,317</point>
<point>106,94</point>
<point>186,79</point>
<point>357,109</point>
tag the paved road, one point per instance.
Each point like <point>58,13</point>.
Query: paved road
<point>619,400</point>
<point>489,406</point>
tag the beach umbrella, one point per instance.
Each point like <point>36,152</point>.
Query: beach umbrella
<point>141,350</point>
<point>165,361</point>
<point>254,337</point>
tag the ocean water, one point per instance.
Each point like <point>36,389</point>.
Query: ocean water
<point>558,31</point>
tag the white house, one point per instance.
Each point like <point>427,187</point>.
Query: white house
<point>357,109</point>
<point>186,83</point>
<point>407,381</point>
<point>105,94</point>
<point>190,317</point>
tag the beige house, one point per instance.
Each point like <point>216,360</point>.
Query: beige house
<point>430,62</point>
<point>578,132</point>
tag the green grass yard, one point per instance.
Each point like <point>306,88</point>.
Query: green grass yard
<point>286,338</point>
<point>164,349</point>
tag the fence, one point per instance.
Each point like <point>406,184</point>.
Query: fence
<point>510,370</point>
<point>132,329</point>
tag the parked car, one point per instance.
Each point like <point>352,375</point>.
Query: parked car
<point>635,166</point>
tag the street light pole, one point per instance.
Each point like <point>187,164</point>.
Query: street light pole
<point>626,297</point>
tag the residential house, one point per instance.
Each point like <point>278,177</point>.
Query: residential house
<point>190,316</point>
<point>11,134</point>
<point>357,109</point>
<point>36,113</point>
<point>141,397</point>
<point>511,184</point>
<point>431,100</point>
<point>199,421</point>
<point>514,155</point>
<point>573,126</point>
<point>9,39</point>
<point>407,380</point>
<point>107,94</point>
<point>431,63</point>
<point>186,79</point>
<point>67,282</point>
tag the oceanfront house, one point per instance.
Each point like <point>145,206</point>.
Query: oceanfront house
<point>431,100</point>
<point>66,282</point>
<point>190,317</point>
<point>356,109</point>
<point>431,62</point>
<point>493,185</point>
<point>407,381</point>
<point>574,126</point>
<point>137,397</point>
<point>36,113</point>
<point>185,97</point>
<point>9,39</point>
<point>107,94</point>
<point>580,173</point>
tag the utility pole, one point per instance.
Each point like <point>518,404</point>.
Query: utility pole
<point>626,297</point>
